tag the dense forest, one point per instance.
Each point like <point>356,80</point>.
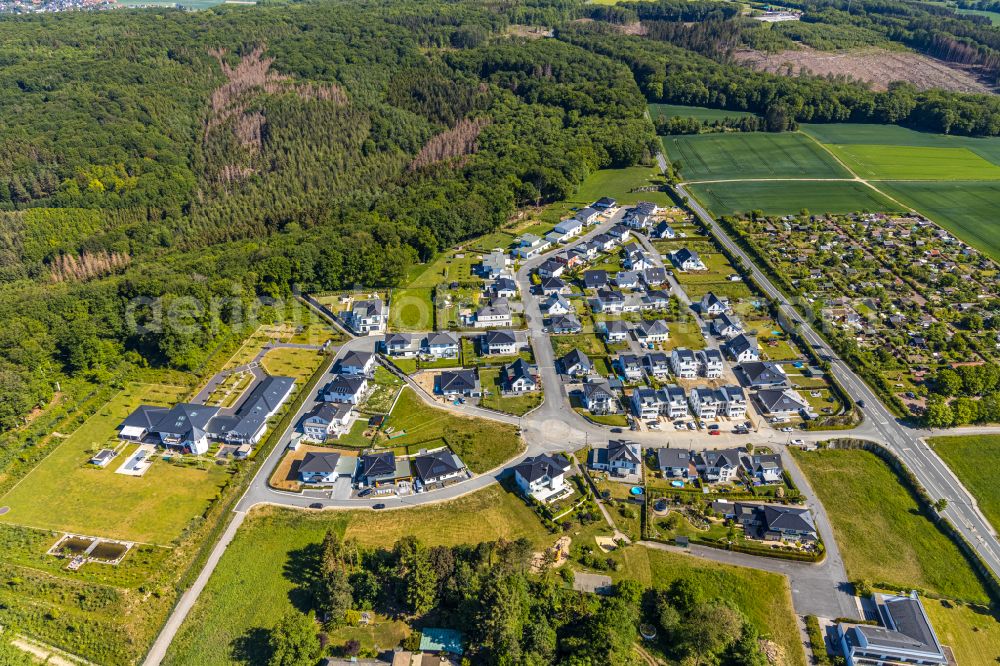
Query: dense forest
<point>155,161</point>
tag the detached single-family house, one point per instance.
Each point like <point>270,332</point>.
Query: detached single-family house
<point>543,477</point>
<point>766,468</point>
<point>442,344</point>
<point>720,466</point>
<point>629,366</point>
<point>501,342</point>
<point>781,402</point>
<point>322,468</point>
<point>368,316</point>
<point>619,232</point>
<point>530,245</point>
<point>497,313</point>
<point>356,363</point>
<point>502,287</point>
<point>675,463</point>
<point>774,522</point>
<point>451,383</point>
<point>402,345</point>
<point>551,268</point>
<point>565,324</point>
<point>608,301</point>
<point>605,242</point>
<point>762,374</point>
<point>651,331</point>
<point>655,300</point>
<point>904,636</point>
<point>620,458</point>
<point>711,363</point>
<point>727,326</point>
<point>517,377</point>
<point>576,364</point>
<point>712,306</point>
<point>684,363</point>
<point>704,402</point>
<point>743,349</point>
<point>687,260</point>
<point>613,330</point>
<point>556,305</point>
<point>598,397</point>
<point>637,261</point>
<point>493,264</point>
<point>605,204</point>
<point>654,276</point>
<point>588,216</point>
<point>555,287</point>
<point>183,426</point>
<point>346,388</point>
<point>626,279</point>
<point>663,230</point>
<point>437,467</point>
<point>380,469</point>
<point>569,228</point>
<point>327,420</point>
<point>595,279</point>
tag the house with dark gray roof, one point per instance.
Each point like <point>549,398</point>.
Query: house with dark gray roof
<point>184,426</point>
<point>765,467</point>
<point>442,344</point>
<point>776,522</point>
<point>576,363</point>
<point>762,374</point>
<point>437,467</point>
<point>563,324</point>
<point>598,397</point>
<point>543,477</point>
<point>904,636</point>
<point>614,330</point>
<point>248,423</point>
<point>719,466</point>
<point>501,342</point>
<point>346,388</point>
<point>356,363</point>
<point>711,305</point>
<point>402,345</point>
<point>367,316</point>
<point>383,468</point>
<point>651,331</point>
<point>743,349</point>
<point>727,326</point>
<point>555,286</point>
<point>675,463</point>
<point>319,467</point>
<point>619,458</point>
<point>461,382</point>
<point>687,260</point>
<point>326,419</point>
<point>518,377</point>
<point>595,279</point>
<point>778,402</point>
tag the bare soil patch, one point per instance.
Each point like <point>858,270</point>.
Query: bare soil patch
<point>878,67</point>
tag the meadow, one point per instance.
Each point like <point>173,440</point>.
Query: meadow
<point>790,197</point>
<point>292,362</point>
<point>882,534</point>
<point>745,155</point>
<point>973,458</point>
<point>972,632</point>
<point>885,162</point>
<point>154,508</point>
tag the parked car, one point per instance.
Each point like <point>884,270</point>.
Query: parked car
<point>316,505</point>
<point>378,506</point>
<point>714,432</point>
<point>714,426</point>
<point>786,429</point>
<point>861,404</point>
<point>798,442</point>
<point>365,493</point>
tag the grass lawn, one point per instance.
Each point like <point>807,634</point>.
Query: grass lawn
<point>589,344</point>
<point>514,404</point>
<point>153,508</point>
<point>739,155</point>
<point>966,208</point>
<point>972,632</point>
<point>763,597</point>
<point>915,162</point>
<point>292,362</point>
<point>412,309</point>
<point>385,388</point>
<point>783,198</point>
<point>700,112</point>
<point>615,183</point>
<point>882,535</point>
<point>973,458</point>
<point>255,583</point>
<point>481,444</point>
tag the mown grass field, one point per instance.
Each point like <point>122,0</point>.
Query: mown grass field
<point>481,444</point>
<point>974,459</point>
<point>789,197</point>
<point>765,598</point>
<point>700,112</point>
<point>965,208</point>
<point>412,309</point>
<point>292,362</point>
<point>883,536</point>
<point>882,162</point>
<point>153,508</point>
<point>893,135</point>
<point>256,582</point>
<point>745,155</point>
<point>972,632</point>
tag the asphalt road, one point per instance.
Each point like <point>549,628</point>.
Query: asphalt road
<point>880,424</point>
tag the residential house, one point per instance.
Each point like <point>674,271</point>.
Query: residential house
<point>620,458</point>
<point>663,230</point>
<point>598,397</point>
<point>762,374</point>
<point>543,477</point>
<point>732,401</point>
<point>555,287</point>
<point>556,305</point>
<point>605,205</point>
<point>652,331</point>
<point>629,366</point>
<point>327,420</point>
<point>247,424</point>
<point>530,245</point>
<point>781,402</point>
<point>721,466</point>
<point>493,264</point>
<point>501,342</point>
<point>367,317</point>
<point>588,216</point>
<point>638,261</point>
<point>765,468</point>
<point>613,330</point>
<point>704,402</point>
<point>551,268</point>
<point>460,382</point>
<point>436,467</point>
<point>319,468</point>
<point>727,326</point>
<point>743,349</point>
<point>657,364</point>
<point>502,287</point>
<point>633,302</point>
<point>608,301</point>
<point>565,324</point>
<point>654,276</point>
<point>673,401</point>
<point>711,305</point>
<point>605,242</point>
<point>569,228</point>
<point>497,313</point>
<point>442,344</point>
<point>346,388</point>
<point>905,635</point>
<point>675,463</point>
<point>684,363</point>
<point>619,232</point>
<point>381,469</point>
<point>710,362</point>
<point>356,363</point>
<point>774,522</point>
<point>402,345</point>
<point>517,377</point>
<point>576,364</point>
<point>655,300</point>
<point>626,279</point>
<point>687,260</point>
<point>595,279</point>
<point>183,426</point>
<point>645,404</point>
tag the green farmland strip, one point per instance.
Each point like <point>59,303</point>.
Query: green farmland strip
<point>872,161</point>
<point>788,197</point>
<point>700,112</point>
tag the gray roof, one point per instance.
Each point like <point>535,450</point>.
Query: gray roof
<point>185,419</point>
<point>710,355</point>
<point>683,254</point>
<point>356,358</point>
<point>565,322</point>
<point>594,279</point>
<point>553,283</point>
<point>378,464</point>
<point>762,373</point>
<point>322,463</point>
<point>537,467</point>
<point>655,327</point>
<point>575,357</point>
<point>672,458</point>
<point>262,402</point>
<point>502,336</point>
<point>598,389</point>
<point>458,380</point>
<point>616,326</point>
<point>778,400</point>
<point>721,457</point>
<point>512,372</point>
<point>741,343</point>
<point>431,466</point>
<point>782,518</point>
<point>620,449</point>
<point>441,338</point>
<point>907,627</point>
<point>345,384</point>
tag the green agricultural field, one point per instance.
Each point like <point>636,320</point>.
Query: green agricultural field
<point>967,209</point>
<point>894,135</point>
<point>790,197</point>
<point>255,583</point>
<point>700,112</point>
<point>154,508</point>
<point>745,155</point>
<point>481,444</point>
<point>882,534</point>
<point>764,598</point>
<point>881,162</point>
<point>973,458</point>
